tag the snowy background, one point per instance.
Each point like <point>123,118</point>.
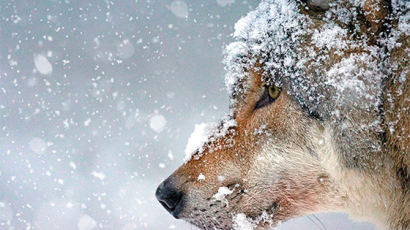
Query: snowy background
<point>97,101</point>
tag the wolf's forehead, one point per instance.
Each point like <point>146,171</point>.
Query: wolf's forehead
<point>313,58</point>
<point>268,35</point>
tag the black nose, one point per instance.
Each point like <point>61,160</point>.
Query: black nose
<point>170,197</point>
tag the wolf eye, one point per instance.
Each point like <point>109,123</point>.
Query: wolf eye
<point>271,93</point>
<point>274,91</point>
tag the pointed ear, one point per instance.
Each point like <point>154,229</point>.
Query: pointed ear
<point>375,12</point>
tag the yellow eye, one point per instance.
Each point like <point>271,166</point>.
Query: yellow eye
<point>270,94</point>
<point>274,91</point>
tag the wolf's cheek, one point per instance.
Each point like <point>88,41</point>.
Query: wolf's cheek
<point>288,176</point>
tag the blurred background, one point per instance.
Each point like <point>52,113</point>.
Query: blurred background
<point>97,100</point>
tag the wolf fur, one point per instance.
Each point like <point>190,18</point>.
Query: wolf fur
<point>337,137</point>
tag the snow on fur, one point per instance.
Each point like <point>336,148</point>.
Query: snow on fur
<point>271,35</point>
<point>222,192</point>
<point>293,53</point>
<point>270,30</point>
<point>198,139</point>
<point>205,135</point>
<point>242,222</point>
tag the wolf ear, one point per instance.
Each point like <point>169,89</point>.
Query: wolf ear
<point>375,12</point>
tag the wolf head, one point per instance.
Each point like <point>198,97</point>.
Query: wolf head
<point>306,82</point>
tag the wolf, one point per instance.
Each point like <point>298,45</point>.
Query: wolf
<point>318,122</point>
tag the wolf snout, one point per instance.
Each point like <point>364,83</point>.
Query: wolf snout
<point>170,197</point>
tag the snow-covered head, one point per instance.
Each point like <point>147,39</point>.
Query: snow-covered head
<point>306,86</point>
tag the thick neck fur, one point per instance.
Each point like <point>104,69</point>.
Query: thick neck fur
<point>367,193</point>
